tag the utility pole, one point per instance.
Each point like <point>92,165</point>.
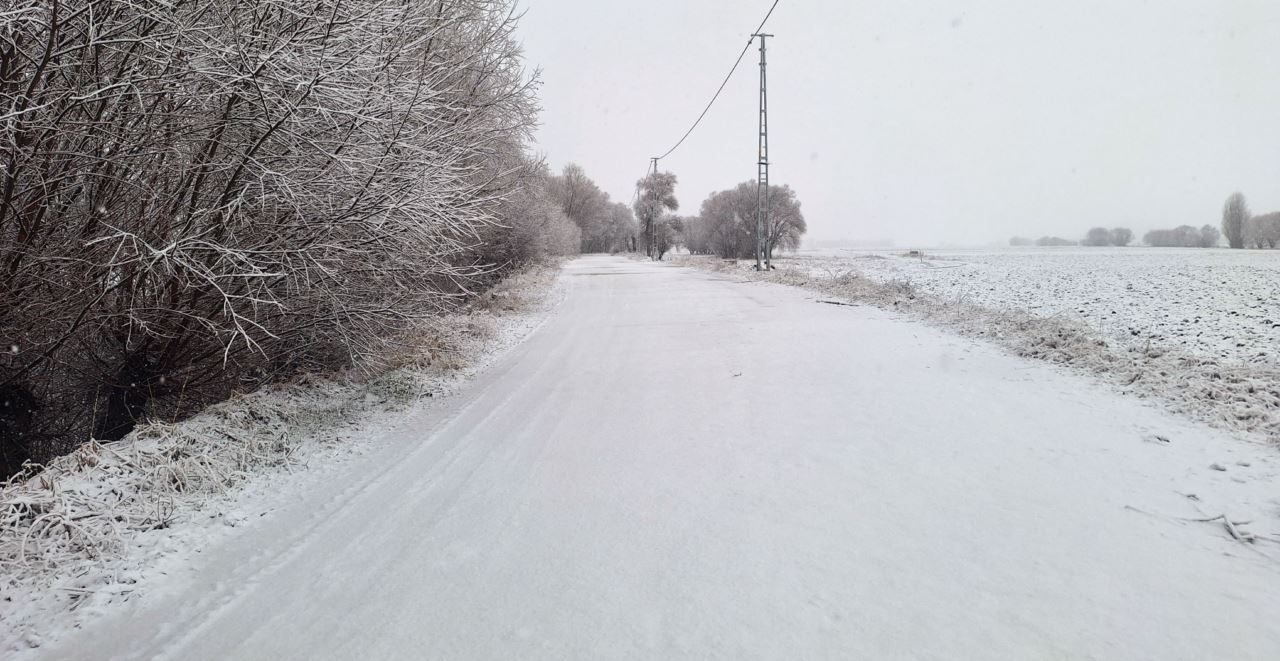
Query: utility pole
<point>650,245</point>
<point>762,163</point>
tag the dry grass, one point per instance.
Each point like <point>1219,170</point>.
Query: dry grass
<point>68,529</point>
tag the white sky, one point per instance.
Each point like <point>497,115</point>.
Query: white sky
<point>930,121</point>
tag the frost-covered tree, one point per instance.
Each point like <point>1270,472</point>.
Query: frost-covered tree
<point>786,224</point>
<point>723,216</point>
<point>618,228</point>
<point>697,236</point>
<point>199,196</point>
<point>1235,211</point>
<point>1121,236</point>
<point>655,199</point>
<point>728,219</point>
<point>533,225</point>
<point>667,234</point>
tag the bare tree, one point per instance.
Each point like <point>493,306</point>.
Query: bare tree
<point>1121,236</point>
<point>1234,214</point>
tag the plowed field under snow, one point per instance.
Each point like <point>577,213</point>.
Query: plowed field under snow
<point>1218,302</point>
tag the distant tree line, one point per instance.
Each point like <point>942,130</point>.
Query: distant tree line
<point>1183,236</point>
<point>1044,241</point>
<point>1101,236</point>
<point>603,225</point>
<point>1054,241</point>
<point>1239,227</point>
<point>1098,236</point>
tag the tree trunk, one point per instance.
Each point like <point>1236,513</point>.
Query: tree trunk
<point>127,399</point>
<point>17,413</point>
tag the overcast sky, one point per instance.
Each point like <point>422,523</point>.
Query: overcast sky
<point>931,121</point>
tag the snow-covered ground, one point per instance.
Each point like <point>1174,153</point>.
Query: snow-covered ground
<point>1221,303</point>
<point>680,464</point>
<point>104,527</point>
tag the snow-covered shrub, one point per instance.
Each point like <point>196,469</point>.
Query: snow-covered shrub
<point>531,226</point>
<point>200,197</point>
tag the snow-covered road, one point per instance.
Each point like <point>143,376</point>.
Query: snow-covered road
<point>678,465</point>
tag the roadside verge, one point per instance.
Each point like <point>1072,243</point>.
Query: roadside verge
<point>92,528</point>
<point>1236,397</point>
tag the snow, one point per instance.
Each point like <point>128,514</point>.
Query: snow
<point>680,464</point>
<point>1235,395</point>
<point>1215,302</point>
<point>106,525</point>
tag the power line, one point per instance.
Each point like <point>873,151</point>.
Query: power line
<point>653,161</point>
<point>653,164</point>
<point>724,82</point>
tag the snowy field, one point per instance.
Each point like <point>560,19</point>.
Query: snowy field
<point>1219,303</point>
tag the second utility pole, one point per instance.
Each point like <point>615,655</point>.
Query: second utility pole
<point>762,171</point>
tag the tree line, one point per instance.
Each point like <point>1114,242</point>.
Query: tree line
<point>200,197</point>
<point>603,225</point>
<point>1241,229</point>
<point>1183,236</point>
